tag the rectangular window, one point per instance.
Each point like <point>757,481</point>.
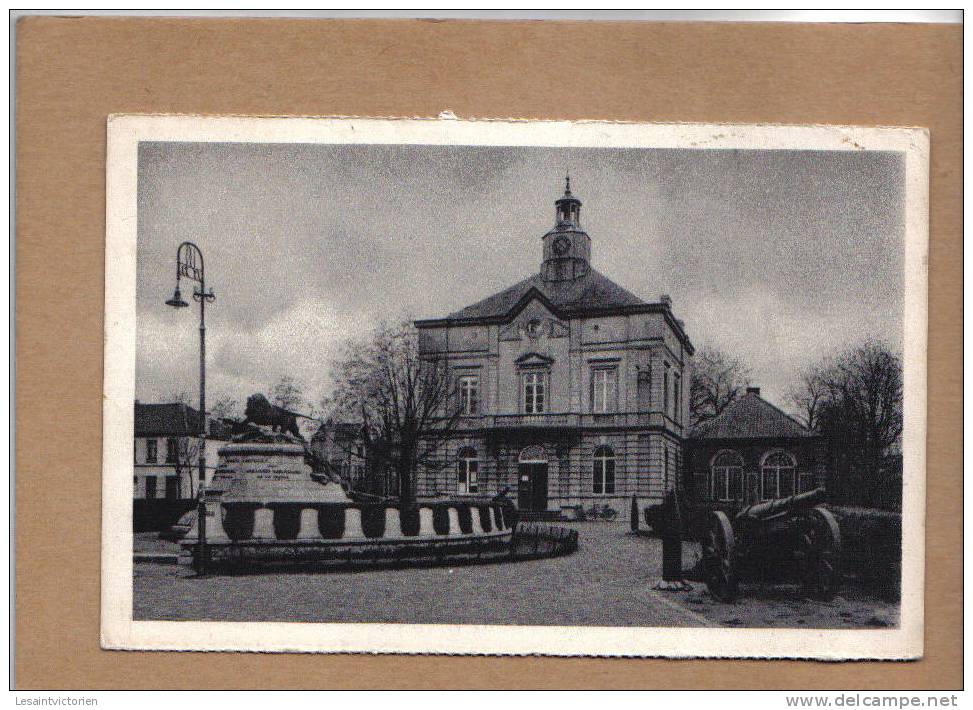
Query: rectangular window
<point>172,488</point>
<point>665,390</point>
<point>722,483</point>
<point>150,486</point>
<point>533,392</point>
<point>151,451</point>
<point>645,389</point>
<point>172,450</point>
<point>604,386</point>
<point>665,469</point>
<point>469,394</point>
<point>469,468</point>
<point>676,406</point>
<point>604,476</point>
<point>770,483</point>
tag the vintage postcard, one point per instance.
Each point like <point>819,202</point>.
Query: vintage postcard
<point>514,387</point>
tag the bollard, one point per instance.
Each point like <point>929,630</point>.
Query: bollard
<point>672,548</point>
<point>634,521</point>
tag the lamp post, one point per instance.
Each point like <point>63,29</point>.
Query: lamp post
<point>189,264</point>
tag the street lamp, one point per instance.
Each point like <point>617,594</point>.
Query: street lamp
<point>189,263</point>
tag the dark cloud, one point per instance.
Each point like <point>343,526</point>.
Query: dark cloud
<point>778,256</point>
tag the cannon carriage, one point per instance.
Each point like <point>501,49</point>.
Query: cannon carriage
<point>794,538</point>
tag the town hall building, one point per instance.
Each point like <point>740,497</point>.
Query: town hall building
<point>574,391</point>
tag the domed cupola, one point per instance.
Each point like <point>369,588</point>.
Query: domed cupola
<point>567,247</point>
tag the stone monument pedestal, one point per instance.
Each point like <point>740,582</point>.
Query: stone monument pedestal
<point>261,473</point>
<point>264,506</point>
<point>274,472</point>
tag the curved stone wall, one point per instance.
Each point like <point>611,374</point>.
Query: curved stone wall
<point>340,523</point>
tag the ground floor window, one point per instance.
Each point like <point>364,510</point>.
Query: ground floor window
<point>469,467</point>
<point>778,475</point>
<point>604,471</point>
<point>150,486</point>
<point>172,487</point>
<point>726,470</point>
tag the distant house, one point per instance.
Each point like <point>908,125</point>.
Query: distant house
<point>362,465</point>
<point>341,446</point>
<point>753,451</point>
<point>166,450</point>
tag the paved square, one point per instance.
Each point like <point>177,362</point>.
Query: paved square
<point>607,582</point>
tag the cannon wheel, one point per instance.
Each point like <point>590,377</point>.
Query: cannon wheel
<point>819,547</point>
<point>718,557</point>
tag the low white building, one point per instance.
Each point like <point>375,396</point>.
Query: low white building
<point>167,451</point>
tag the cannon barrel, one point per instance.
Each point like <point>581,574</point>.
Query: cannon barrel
<point>768,508</point>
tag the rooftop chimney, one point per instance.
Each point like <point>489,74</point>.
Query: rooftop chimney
<point>666,300</point>
<point>753,390</point>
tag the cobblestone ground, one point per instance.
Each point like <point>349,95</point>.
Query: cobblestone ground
<point>607,582</point>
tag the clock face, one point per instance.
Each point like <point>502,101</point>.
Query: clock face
<point>561,245</point>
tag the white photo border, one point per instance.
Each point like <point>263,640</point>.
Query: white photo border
<point>120,631</point>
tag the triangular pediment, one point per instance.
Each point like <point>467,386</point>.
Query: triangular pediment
<point>538,304</point>
<point>535,359</point>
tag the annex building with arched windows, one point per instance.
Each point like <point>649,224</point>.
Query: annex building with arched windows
<point>573,390</point>
<point>753,451</point>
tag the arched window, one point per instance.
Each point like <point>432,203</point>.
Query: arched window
<point>604,471</point>
<point>469,467</point>
<point>727,469</point>
<point>778,475</point>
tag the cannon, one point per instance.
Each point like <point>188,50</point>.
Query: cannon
<point>780,539</point>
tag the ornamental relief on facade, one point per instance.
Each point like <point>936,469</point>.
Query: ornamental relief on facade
<point>534,328</point>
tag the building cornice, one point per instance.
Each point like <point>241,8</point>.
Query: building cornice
<point>564,314</point>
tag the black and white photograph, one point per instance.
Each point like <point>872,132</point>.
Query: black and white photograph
<point>498,387</point>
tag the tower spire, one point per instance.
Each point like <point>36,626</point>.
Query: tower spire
<point>567,248</point>
<point>568,207</point>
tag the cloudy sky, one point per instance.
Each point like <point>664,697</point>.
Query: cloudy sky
<point>778,257</point>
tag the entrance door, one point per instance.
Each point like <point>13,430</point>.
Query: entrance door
<point>532,488</point>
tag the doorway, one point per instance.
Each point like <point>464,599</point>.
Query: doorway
<point>532,480</point>
<point>532,491</point>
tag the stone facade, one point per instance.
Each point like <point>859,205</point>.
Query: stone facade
<point>575,391</point>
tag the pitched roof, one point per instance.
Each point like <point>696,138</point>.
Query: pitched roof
<point>173,419</point>
<point>593,291</point>
<point>750,417</point>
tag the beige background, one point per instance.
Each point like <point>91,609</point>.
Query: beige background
<point>72,73</point>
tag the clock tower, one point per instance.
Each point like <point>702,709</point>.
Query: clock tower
<point>567,247</point>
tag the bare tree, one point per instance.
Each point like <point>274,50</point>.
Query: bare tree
<point>407,404</point>
<point>855,399</point>
<point>178,397</point>
<point>717,380</point>
<point>187,451</point>
<point>225,407</point>
<point>809,397</point>
<point>288,395</point>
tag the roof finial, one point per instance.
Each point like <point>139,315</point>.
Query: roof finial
<point>567,183</point>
